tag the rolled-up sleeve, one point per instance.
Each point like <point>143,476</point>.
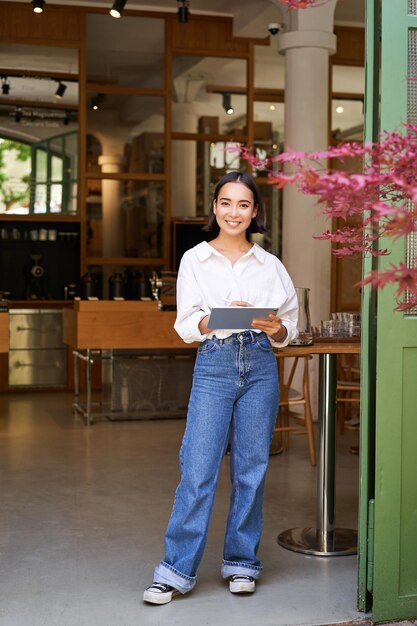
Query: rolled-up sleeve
<point>288,312</point>
<point>190,304</point>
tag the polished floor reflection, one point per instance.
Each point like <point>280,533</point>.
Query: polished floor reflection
<point>83,512</point>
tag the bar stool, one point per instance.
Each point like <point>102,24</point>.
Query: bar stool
<point>291,397</point>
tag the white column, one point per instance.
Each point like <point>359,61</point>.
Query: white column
<point>112,196</point>
<point>307,46</point>
<point>184,162</point>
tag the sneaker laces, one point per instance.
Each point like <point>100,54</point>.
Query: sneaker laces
<point>160,588</point>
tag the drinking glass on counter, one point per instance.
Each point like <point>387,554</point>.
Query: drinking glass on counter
<point>341,325</point>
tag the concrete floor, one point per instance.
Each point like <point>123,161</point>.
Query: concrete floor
<point>84,510</point>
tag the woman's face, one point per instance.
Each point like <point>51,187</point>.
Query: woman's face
<point>234,208</point>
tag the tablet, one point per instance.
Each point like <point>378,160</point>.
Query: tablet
<point>237,317</point>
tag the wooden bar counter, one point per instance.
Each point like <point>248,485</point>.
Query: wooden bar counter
<point>95,328</point>
<point>4,332</point>
<point>106,324</point>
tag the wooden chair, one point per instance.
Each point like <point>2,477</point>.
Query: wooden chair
<point>347,391</point>
<point>291,398</point>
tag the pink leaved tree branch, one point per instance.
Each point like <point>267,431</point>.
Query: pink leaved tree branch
<point>381,200</point>
<point>302,4</point>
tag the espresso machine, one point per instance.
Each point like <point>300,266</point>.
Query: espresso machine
<point>164,289</point>
<point>34,279</point>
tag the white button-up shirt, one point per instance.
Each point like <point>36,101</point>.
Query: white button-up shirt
<point>207,279</point>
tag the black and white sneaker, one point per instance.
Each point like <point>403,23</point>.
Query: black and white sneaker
<point>159,593</point>
<point>239,583</point>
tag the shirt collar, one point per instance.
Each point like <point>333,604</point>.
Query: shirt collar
<point>204,251</point>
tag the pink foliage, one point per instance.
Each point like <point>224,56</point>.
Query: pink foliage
<point>377,204</point>
<point>302,4</point>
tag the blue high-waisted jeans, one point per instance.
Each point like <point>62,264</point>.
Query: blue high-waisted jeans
<point>235,390</point>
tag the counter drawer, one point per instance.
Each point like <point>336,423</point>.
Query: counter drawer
<point>38,368</point>
<point>35,329</point>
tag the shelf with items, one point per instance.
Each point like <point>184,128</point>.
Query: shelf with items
<point>138,261</point>
<point>36,263</point>
<point>118,278</point>
<point>39,217</point>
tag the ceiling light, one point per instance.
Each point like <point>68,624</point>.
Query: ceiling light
<point>5,87</point>
<point>227,104</point>
<point>96,101</point>
<point>183,11</point>
<point>38,6</point>
<point>272,107</point>
<point>339,109</point>
<point>61,89</point>
<point>117,8</point>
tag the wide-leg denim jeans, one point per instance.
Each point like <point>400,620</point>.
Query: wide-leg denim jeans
<point>235,391</point>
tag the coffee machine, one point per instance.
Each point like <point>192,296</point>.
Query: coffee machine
<point>34,279</point>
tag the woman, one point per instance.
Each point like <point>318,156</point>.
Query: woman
<point>235,390</point>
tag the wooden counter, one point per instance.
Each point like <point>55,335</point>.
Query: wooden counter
<point>321,347</point>
<point>106,324</point>
<point>4,332</point>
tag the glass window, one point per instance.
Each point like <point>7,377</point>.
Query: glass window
<point>196,168</point>
<point>268,123</point>
<point>41,165</point>
<point>41,199</point>
<point>54,175</point>
<point>347,113</point>
<point>347,119</point>
<point>15,168</point>
<point>133,125</point>
<point>209,95</point>
<point>125,218</point>
<point>272,239</point>
<point>57,168</point>
<point>128,52</point>
<point>347,79</point>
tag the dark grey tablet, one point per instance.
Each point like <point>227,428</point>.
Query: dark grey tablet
<point>239,317</point>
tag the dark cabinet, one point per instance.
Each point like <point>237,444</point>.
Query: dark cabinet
<point>38,259</point>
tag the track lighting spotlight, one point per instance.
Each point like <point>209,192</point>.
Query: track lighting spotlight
<point>96,101</point>
<point>5,87</point>
<point>117,8</point>
<point>183,11</point>
<point>18,114</point>
<point>61,89</point>
<point>38,6</point>
<point>227,103</point>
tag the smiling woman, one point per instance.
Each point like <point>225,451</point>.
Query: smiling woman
<point>235,390</point>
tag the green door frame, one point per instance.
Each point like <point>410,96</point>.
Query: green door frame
<point>389,483</point>
<point>369,327</point>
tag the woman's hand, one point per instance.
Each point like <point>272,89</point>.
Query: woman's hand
<point>239,303</point>
<point>273,327</point>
